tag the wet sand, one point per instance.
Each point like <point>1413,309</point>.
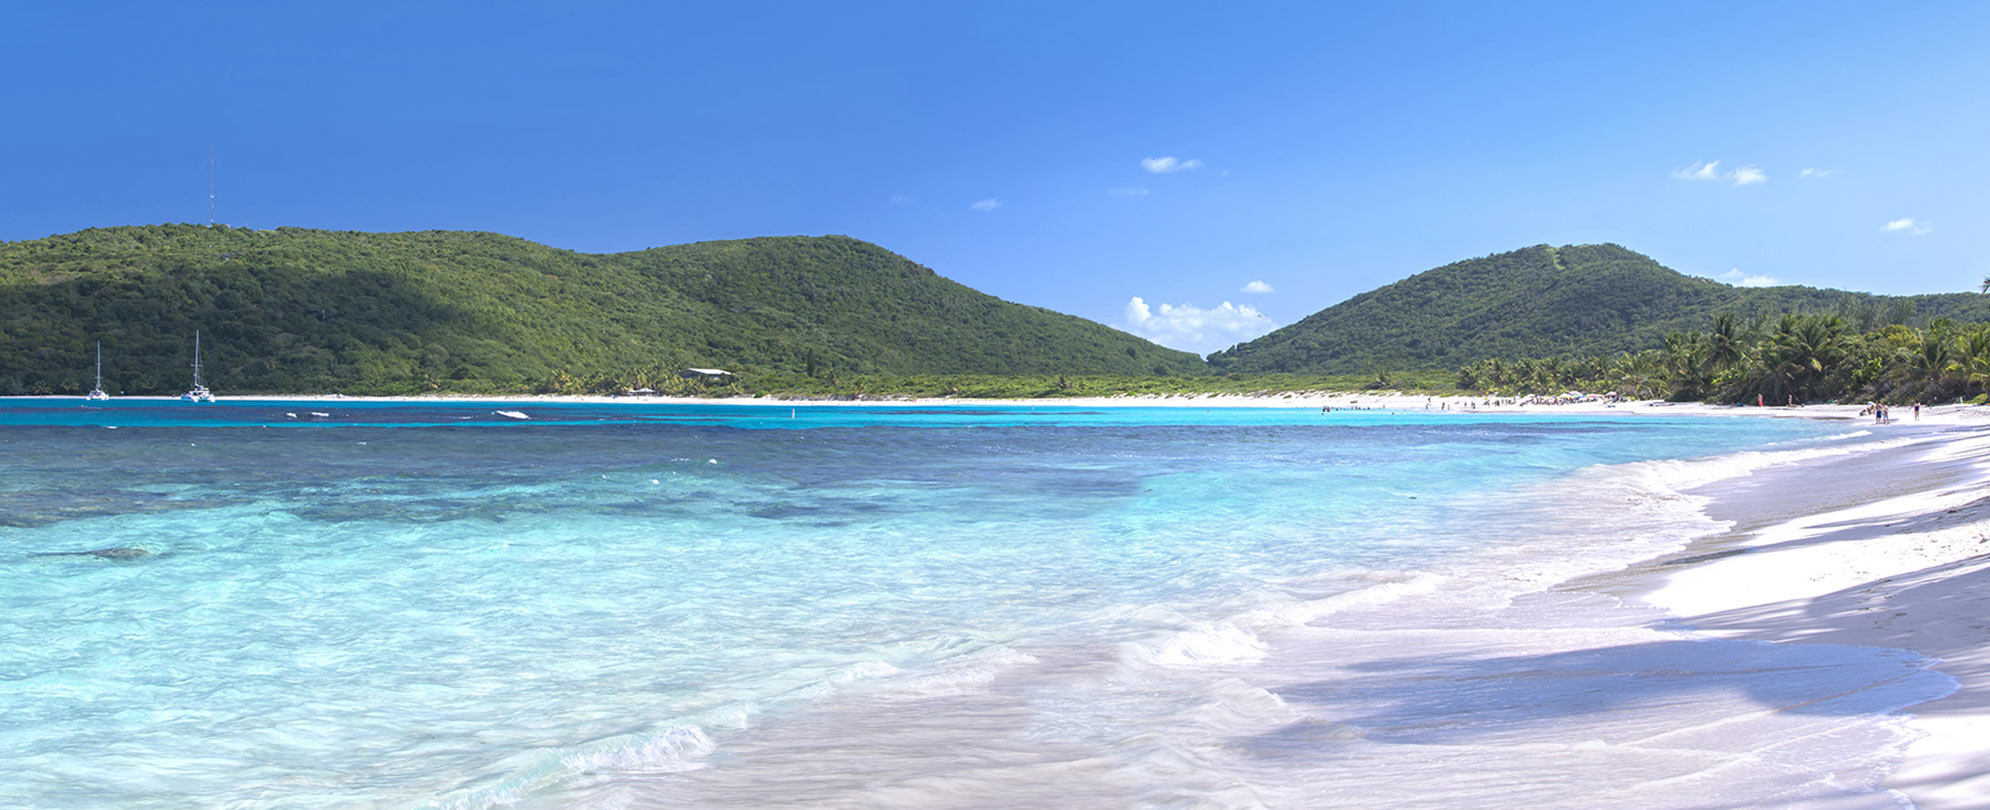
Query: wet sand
<point>1887,546</point>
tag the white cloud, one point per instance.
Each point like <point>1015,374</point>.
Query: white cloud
<point>1817,173</point>
<point>1711,170</point>
<point>1169,164</point>
<point>1129,191</point>
<point>987,205</point>
<point>1909,225</point>
<point>1194,329</point>
<point>1745,280</point>
<point>1256,287</point>
<point>1698,171</point>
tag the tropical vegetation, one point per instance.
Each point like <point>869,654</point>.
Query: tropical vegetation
<point>1542,301</point>
<point>298,310</point>
<point>1791,358</point>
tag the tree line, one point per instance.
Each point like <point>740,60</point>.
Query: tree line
<point>1789,358</point>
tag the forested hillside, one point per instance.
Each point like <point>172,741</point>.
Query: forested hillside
<point>1579,300</point>
<point>298,310</point>
<point>308,311</point>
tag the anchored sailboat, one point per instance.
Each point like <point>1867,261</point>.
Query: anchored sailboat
<point>198,393</point>
<point>98,391</point>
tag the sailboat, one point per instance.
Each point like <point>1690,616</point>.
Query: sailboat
<point>198,393</point>
<point>98,392</point>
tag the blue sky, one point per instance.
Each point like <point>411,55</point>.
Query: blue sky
<point>1318,149</point>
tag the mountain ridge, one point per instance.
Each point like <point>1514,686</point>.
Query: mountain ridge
<point>292,310</point>
<point>1545,301</point>
<point>297,309</point>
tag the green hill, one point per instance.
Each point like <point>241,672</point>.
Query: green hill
<point>1578,300</point>
<point>297,310</point>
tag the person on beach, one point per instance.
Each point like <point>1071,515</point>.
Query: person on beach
<point>1917,411</point>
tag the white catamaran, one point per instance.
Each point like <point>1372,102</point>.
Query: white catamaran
<point>98,392</point>
<point>198,393</point>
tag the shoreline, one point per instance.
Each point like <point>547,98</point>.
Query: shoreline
<point>1887,545</point>
<point>1342,400</point>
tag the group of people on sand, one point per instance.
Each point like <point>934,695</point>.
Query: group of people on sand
<point>1883,413</point>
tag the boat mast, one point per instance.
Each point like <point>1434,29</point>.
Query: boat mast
<point>196,358</point>
<point>100,365</point>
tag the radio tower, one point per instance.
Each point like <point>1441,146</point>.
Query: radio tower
<point>210,185</point>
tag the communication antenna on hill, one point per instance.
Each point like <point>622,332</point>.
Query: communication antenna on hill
<point>210,185</point>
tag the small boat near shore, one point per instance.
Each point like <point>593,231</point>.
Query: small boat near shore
<point>198,393</point>
<point>97,391</point>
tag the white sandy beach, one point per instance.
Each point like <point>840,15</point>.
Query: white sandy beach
<point>1889,547</point>
<point>1338,400</point>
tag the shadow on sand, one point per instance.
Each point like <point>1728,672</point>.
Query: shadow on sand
<point>1633,692</point>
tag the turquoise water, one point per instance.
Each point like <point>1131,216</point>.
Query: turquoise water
<point>626,605</point>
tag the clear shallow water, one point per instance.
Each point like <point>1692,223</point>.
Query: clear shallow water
<point>753,606</point>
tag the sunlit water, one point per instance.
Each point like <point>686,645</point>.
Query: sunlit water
<point>757,606</point>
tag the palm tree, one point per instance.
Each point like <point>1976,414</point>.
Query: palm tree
<point>1928,362</point>
<point>1797,352</point>
<point>1770,367</point>
<point>1726,345</point>
<point>1815,345</point>
<point>1685,368</point>
<point>1637,372</point>
<point>1972,356</point>
<point>1552,375</point>
<point>1527,376</point>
